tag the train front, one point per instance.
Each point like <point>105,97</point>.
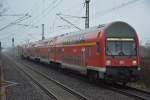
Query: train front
<point>121,53</point>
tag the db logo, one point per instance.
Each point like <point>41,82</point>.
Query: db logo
<point>121,62</point>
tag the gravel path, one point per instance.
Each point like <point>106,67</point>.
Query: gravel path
<point>25,90</point>
<point>78,83</point>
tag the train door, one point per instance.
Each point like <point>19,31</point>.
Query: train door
<point>49,51</point>
<point>83,56</point>
<point>88,55</point>
<point>62,54</point>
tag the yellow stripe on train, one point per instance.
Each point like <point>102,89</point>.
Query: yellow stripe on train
<point>86,44</point>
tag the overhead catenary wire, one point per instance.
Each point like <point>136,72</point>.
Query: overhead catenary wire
<point>71,16</point>
<point>104,12</point>
<point>101,13</point>
<point>68,22</point>
<point>16,21</point>
<point>36,20</point>
<point>50,10</point>
<point>39,16</point>
<point>26,25</point>
<point>75,17</point>
<point>9,15</point>
<point>80,13</point>
<point>44,14</point>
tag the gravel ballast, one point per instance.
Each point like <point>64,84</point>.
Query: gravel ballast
<point>91,91</point>
<point>25,89</point>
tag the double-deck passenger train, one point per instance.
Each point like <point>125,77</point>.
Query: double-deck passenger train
<point>109,52</point>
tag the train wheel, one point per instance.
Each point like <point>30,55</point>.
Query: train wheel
<point>93,76</point>
<point>60,69</point>
<point>124,83</point>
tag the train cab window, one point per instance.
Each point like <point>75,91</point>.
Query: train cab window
<point>97,48</point>
<point>121,47</point>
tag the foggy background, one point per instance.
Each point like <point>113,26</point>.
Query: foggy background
<point>22,19</point>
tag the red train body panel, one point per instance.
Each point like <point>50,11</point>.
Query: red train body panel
<point>108,51</point>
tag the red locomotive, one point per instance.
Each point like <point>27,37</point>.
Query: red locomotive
<point>109,52</point>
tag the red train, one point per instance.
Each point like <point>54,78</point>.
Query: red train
<point>109,52</point>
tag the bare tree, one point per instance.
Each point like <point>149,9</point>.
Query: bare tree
<point>2,8</point>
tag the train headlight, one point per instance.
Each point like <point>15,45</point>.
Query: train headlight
<point>108,62</point>
<point>139,68</point>
<point>134,62</point>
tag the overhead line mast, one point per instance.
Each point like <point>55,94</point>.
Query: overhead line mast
<point>43,32</point>
<point>87,14</point>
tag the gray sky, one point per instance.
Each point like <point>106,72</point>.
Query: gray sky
<point>136,14</point>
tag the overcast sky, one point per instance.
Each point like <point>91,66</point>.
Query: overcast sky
<point>134,12</point>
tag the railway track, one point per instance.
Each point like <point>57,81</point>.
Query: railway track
<point>51,87</point>
<point>132,92</point>
<point>128,91</point>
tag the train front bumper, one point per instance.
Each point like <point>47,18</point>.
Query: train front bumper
<point>123,74</point>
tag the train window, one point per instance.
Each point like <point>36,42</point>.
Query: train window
<point>90,51</point>
<point>49,50</point>
<point>97,48</point>
<point>120,48</point>
<point>62,50</point>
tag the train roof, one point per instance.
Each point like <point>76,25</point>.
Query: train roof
<point>117,28</point>
<point>110,28</point>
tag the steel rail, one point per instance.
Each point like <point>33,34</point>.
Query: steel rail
<point>66,88</point>
<point>125,90</point>
<point>132,92</point>
<point>60,84</point>
<point>50,94</point>
<point>128,91</point>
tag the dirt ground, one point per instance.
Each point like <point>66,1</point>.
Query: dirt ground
<point>145,78</point>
